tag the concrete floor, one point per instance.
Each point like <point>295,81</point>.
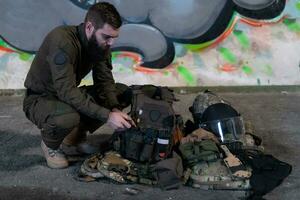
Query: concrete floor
<point>24,174</point>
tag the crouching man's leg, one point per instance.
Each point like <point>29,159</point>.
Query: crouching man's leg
<point>75,143</point>
<point>77,137</point>
<point>56,120</point>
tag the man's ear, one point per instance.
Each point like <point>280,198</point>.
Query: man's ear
<point>89,29</point>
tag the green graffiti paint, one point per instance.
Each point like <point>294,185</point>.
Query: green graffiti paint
<point>114,55</point>
<point>292,25</point>
<point>166,73</point>
<point>242,38</point>
<point>248,70</point>
<point>298,5</point>
<point>197,47</point>
<point>122,69</point>
<point>2,43</point>
<point>268,70</point>
<point>5,44</point>
<point>25,56</point>
<point>187,75</point>
<point>227,55</point>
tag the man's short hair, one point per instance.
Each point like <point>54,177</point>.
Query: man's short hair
<point>101,13</point>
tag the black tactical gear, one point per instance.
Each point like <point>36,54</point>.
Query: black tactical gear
<point>152,139</point>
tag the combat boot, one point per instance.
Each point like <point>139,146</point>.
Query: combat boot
<point>75,143</point>
<point>55,157</point>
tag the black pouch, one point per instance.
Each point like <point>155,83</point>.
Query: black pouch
<point>134,141</point>
<point>146,154</point>
<point>168,172</point>
<point>162,146</point>
<point>149,142</point>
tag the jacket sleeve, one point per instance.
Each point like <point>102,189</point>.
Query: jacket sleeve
<point>61,61</point>
<point>104,82</point>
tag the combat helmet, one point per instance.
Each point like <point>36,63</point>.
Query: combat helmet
<point>214,114</point>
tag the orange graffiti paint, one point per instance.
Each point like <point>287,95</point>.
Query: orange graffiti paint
<point>257,23</point>
<point>6,49</point>
<point>225,34</point>
<point>228,68</point>
<point>136,57</point>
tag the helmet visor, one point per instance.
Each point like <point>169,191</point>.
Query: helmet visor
<point>227,130</point>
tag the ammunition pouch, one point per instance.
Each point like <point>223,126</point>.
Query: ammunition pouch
<point>145,146</point>
<point>198,151</point>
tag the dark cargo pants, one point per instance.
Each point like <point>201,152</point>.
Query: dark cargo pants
<point>56,119</point>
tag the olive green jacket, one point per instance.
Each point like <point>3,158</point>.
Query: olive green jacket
<point>62,62</point>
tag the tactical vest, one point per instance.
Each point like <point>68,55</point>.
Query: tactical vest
<point>153,138</point>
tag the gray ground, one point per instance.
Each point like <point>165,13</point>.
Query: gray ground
<point>24,174</point>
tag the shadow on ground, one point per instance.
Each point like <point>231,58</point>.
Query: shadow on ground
<point>27,193</point>
<point>17,151</point>
<point>22,151</point>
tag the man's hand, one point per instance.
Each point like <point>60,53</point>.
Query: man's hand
<point>119,120</point>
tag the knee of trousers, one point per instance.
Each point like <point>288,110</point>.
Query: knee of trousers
<point>57,127</point>
<point>66,121</point>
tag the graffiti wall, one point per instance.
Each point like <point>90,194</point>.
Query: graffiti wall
<point>169,42</point>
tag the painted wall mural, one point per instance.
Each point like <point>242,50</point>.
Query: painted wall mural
<point>169,42</point>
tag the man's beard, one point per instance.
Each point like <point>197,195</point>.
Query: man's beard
<point>95,51</point>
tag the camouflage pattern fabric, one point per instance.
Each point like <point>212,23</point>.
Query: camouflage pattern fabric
<point>113,166</point>
<point>89,167</point>
<point>199,146</point>
<point>202,101</point>
<point>252,141</point>
<point>216,176</point>
<point>198,135</point>
<point>207,169</point>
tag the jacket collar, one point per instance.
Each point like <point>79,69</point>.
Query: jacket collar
<point>82,36</point>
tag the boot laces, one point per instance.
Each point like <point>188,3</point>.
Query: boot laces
<point>55,152</point>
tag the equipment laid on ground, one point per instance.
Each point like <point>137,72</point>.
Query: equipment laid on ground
<point>151,143</point>
<point>214,114</point>
<point>235,166</point>
<point>221,153</point>
<point>153,138</point>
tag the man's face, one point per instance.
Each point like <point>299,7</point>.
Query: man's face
<point>104,37</point>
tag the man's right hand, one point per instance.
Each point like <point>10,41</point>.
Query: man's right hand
<point>119,120</point>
